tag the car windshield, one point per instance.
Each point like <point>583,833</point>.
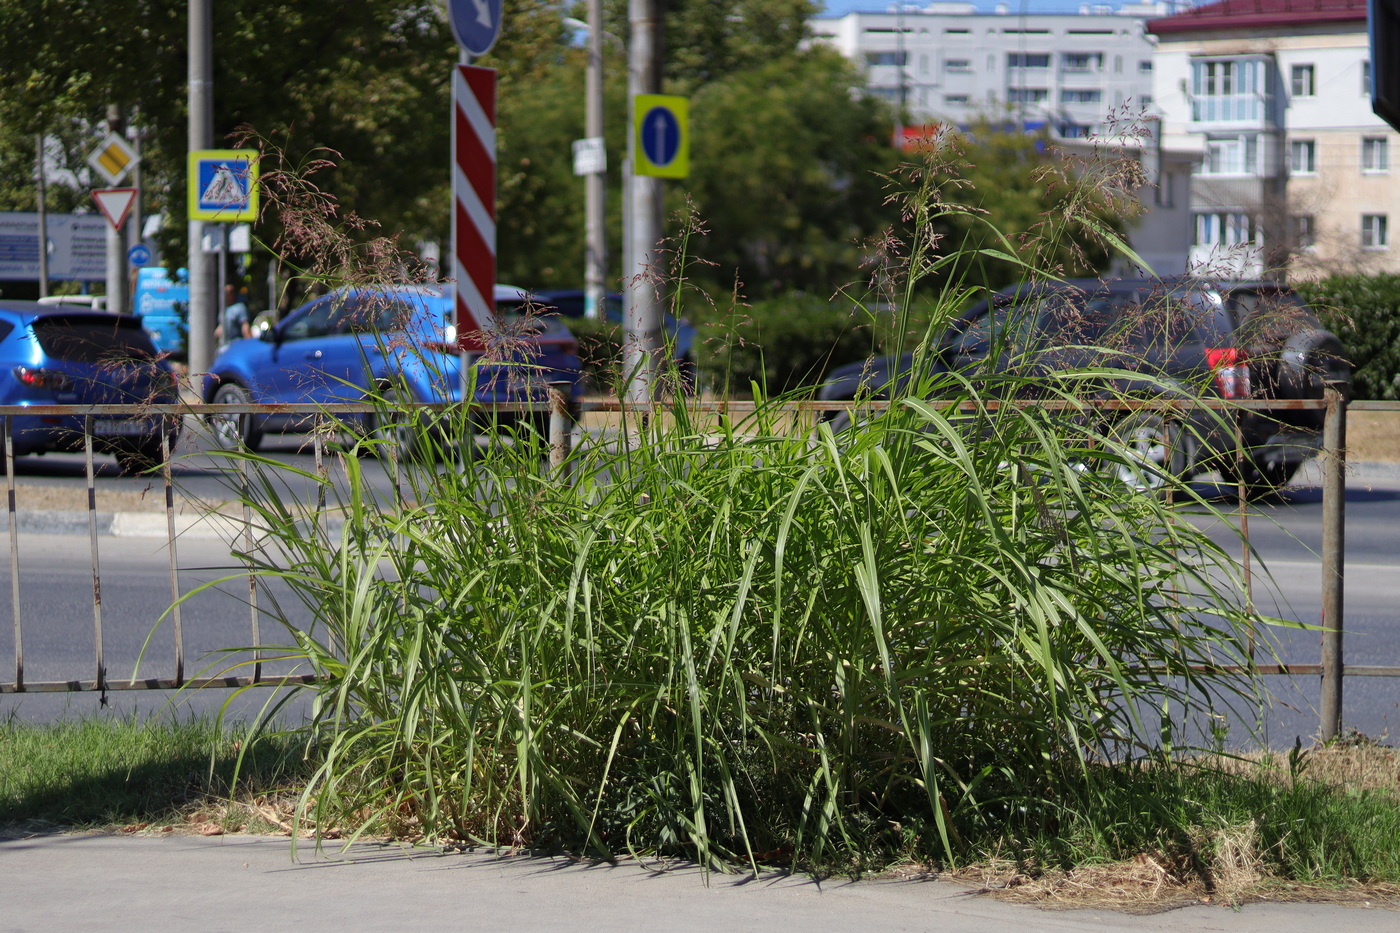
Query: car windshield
<point>94,339</point>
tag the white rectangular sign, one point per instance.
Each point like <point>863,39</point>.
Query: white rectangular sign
<point>77,246</point>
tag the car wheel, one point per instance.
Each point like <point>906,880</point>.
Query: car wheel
<point>1155,450</point>
<point>230,432</point>
<point>398,429</point>
<point>1260,479</point>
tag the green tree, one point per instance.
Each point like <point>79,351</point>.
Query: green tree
<point>1003,199</point>
<point>787,167</point>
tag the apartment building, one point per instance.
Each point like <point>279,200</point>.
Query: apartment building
<point>1295,174</point>
<point>1077,74</point>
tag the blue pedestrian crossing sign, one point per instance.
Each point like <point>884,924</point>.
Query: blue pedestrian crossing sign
<point>223,185</point>
<point>475,23</point>
<point>661,135</point>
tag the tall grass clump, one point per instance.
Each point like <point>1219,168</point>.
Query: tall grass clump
<point>737,640</point>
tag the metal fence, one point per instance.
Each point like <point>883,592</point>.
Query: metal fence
<point>564,417</point>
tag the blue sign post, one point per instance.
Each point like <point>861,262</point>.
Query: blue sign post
<point>139,255</point>
<point>476,24</point>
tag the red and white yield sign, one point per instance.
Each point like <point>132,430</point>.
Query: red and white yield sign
<point>474,197</point>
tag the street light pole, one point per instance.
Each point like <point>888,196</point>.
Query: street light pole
<point>200,136</point>
<point>643,272</point>
<point>595,183</point>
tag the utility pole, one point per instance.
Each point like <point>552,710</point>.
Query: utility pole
<point>203,305</point>
<point>642,320</point>
<point>43,216</point>
<point>595,183</point>
<point>117,286</point>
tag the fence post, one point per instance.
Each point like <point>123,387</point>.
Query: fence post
<point>561,429</point>
<point>1334,440</point>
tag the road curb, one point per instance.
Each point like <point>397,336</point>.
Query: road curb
<point>214,526</point>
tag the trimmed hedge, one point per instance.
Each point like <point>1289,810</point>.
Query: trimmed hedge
<point>780,344</point>
<point>1364,312</point>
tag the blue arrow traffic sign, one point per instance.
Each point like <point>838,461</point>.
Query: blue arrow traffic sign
<point>138,255</point>
<point>661,136</point>
<point>661,128</point>
<point>476,24</point>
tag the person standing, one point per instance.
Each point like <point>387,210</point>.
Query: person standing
<point>233,322</point>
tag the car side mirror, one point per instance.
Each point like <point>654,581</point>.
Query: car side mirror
<point>270,335</point>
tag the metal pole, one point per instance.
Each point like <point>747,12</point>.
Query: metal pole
<point>221,231</point>
<point>595,183</point>
<point>642,342</point>
<point>137,219</point>
<point>43,216</point>
<point>203,303</point>
<point>101,656</point>
<point>1334,440</point>
<point>14,553</point>
<point>561,430</point>
<point>116,239</point>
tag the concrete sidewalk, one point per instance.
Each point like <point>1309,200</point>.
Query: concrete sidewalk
<point>238,883</point>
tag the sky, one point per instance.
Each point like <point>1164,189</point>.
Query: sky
<point>839,7</point>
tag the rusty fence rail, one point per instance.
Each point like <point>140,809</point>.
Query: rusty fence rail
<point>564,417</point>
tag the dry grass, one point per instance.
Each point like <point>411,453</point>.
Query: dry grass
<point>1225,868</point>
<point>1149,884</point>
<point>1373,436</point>
<point>1355,766</point>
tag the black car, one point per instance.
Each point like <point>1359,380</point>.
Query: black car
<point>1177,337</point>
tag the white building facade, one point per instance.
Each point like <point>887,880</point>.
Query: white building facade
<point>1077,74</point>
<point>1295,172</point>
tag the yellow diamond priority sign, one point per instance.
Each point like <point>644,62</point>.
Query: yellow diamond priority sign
<point>113,158</point>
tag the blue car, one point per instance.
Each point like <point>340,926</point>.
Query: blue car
<point>56,355</point>
<point>398,342</point>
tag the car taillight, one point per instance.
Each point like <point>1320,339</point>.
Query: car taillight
<point>1231,370</point>
<point>42,378</point>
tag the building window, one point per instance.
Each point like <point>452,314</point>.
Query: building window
<point>1146,101</point>
<point>1028,60</point>
<point>1227,90</point>
<point>1302,156</point>
<point>1081,61</point>
<point>1302,81</point>
<point>1145,66</point>
<point>1225,229</point>
<point>956,100</point>
<point>1375,154</point>
<point>1365,79</point>
<point>1374,234</point>
<point>923,64</point>
<point>1027,95</point>
<point>898,59</point>
<point>1304,235</point>
<point>1080,97</point>
<point>1074,130</point>
<point>957,64</point>
<point>1232,155</point>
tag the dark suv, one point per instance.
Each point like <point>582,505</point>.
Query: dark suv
<point>1168,338</point>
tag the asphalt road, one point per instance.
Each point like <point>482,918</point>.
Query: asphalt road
<point>197,469</point>
<point>59,628</point>
<point>56,606</point>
